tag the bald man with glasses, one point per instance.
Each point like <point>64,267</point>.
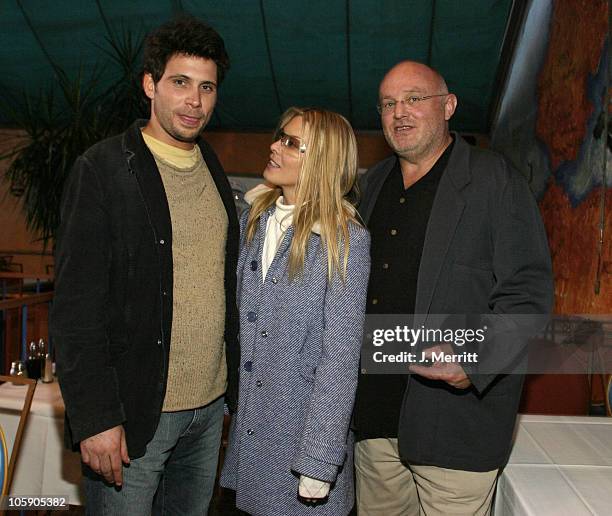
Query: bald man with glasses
<point>455,230</point>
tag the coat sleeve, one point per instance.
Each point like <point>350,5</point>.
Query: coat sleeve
<point>323,442</point>
<point>79,320</point>
<point>522,295</point>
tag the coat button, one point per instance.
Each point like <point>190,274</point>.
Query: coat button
<point>248,366</point>
<point>254,265</point>
<point>274,280</point>
<point>264,334</point>
<point>250,432</point>
<point>393,232</point>
<point>251,317</point>
<point>258,383</point>
<point>159,342</point>
<point>162,241</point>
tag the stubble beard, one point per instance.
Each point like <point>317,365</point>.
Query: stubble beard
<point>185,138</point>
<point>417,151</point>
<point>170,124</point>
<point>182,134</point>
<point>410,151</point>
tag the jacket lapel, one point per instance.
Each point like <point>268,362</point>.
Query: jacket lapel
<point>371,184</point>
<point>142,163</point>
<point>446,212</point>
<point>260,238</point>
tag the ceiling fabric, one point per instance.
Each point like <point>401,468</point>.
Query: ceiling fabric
<point>329,53</point>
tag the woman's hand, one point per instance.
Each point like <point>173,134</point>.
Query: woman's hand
<point>312,490</point>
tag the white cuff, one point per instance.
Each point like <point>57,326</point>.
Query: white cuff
<point>313,488</point>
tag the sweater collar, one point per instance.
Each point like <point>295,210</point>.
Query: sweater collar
<point>283,213</point>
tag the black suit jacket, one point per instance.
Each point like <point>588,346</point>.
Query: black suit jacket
<point>485,253</point>
<point>111,318</point>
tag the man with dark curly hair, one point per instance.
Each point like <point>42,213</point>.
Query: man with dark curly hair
<point>145,314</point>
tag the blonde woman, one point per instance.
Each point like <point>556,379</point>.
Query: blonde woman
<point>302,280</point>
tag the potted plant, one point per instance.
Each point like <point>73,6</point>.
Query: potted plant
<point>60,124</point>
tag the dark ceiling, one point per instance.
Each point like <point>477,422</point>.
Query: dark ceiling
<point>284,52</point>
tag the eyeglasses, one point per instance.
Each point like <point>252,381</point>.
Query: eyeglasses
<point>291,142</point>
<point>388,105</point>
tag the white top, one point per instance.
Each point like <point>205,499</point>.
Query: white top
<point>275,231</point>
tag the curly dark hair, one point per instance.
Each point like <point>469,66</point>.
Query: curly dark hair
<point>184,35</point>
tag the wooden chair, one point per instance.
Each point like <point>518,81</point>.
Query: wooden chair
<point>11,285</point>
<point>6,471</point>
<point>8,265</point>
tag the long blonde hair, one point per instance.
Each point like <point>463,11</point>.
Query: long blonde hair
<point>325,187</point>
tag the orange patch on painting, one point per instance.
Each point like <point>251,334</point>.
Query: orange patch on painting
<point>577,35</point>
<point>573,237</point>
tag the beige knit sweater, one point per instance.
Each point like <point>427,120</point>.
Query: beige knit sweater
<point>197,372</point>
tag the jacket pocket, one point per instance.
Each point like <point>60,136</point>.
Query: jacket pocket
<point>307,372</point>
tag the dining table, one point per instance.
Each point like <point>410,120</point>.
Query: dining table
<point>45,467</point>
<point>559,465</point>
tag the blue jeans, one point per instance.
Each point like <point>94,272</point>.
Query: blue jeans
<point>176,476</point>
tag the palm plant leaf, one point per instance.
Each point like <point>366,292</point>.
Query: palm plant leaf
<point>59,128</point>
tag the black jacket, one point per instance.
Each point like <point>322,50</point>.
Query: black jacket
<point>485,253</point>
<point>111,318</point>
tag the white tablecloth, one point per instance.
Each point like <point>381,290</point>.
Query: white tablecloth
<point>44,466</point>
<point>560,465</point>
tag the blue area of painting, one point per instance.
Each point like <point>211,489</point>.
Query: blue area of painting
<point>538,164</point>
<point>579,177</point>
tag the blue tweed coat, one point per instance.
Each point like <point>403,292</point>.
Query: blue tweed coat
<point>300,346</point>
